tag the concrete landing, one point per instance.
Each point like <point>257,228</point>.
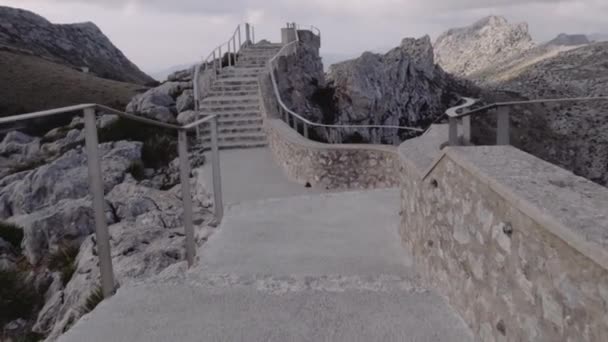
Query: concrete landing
<point>313,268</point>
<point>251,174</point>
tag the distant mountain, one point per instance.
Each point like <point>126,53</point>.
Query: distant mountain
<point>564,39</point>
<point>74,45</point>
<point>467,50</point>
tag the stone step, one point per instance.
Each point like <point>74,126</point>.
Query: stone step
<point>246,92</point>
<point>230,129</point>
<point>236,81</point>
<point>234,87</point>
<point>237,137</point>
<point>239,71</point>
<point>229,121</point>
<point>229,108</point>
<point>231,100</point>
<point>239,114</point>
<point>240,75</point>
<point>227,145</point>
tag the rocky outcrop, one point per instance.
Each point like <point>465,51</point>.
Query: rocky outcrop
<point>77,45</point>
<point>469,50</point>
<point>571,135</point>
<point>403,87</point>
<point>165,102</point>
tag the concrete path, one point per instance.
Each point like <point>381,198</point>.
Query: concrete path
<point>251,174</point>
<point>326,267</point>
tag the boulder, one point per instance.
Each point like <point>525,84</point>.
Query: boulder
<point>181,75</point>
<point>65,178</point>
<point>185,101</point>
<point>19,143</point>
<point>187,117</point>
<point>66,222</point>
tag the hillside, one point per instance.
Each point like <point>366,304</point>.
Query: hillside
<point>77,45</point>
<point>29,83</point>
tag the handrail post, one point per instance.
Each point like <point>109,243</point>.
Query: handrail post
<point>229,59</point>
<point>305,129</point>
<point>214,62</point>
<point>466,129</point>
<point>252,34</point>
<point>247,34</point>
<point>453,131</point>
<point>184,172</point>
<point>221,58</point>
<point>217,178</point>
<point>502,126</point>
<point>240,41</point>
<point>234,48</point>
<point>96,186</point>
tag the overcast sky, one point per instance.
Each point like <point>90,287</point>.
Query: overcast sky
<point>156,34</point>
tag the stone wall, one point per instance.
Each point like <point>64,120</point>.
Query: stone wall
<point>331,166</point>
<point>516,245</point>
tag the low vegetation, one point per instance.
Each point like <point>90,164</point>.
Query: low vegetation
<point>18,298</point>
<point>92,301</point>
<point>64,262</point>
<point>159,144</point>
<point>11,233</point>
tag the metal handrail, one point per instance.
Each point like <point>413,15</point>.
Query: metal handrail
<point>96,182</point>
<point>503,117</point>
<point>283,109</point>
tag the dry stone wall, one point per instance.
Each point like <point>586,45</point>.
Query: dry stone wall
<point>511,276</point>
<point>331,166</point>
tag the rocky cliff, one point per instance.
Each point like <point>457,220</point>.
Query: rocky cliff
<point>403,87</point>
<point>472,49</point>
<point>76,45</point>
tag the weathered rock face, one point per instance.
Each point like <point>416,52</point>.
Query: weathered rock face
<point>165,102</point>
<point>469,50</point>
<point>76,45</point>
<point>401,88</point>
<point>571,135</point>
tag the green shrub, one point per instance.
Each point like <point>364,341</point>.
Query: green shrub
<point>93,300</point>
<point>30,165</point>
<point>11,233</point>
<point>64,262</point>
<point>18,299</point>
<point>137,170</point>
<point>30,337</point>
<point>159,144</point>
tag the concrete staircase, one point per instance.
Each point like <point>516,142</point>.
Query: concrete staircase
<point>234,97</point>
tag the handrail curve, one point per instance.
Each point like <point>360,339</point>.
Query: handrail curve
<point>307,123</point>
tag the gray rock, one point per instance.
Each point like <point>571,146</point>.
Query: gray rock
<point>19,143</point>
<point>569,39</point>
<point>185,101</point>
<point>105,120</point>
<point>181,75</point>
<point>469,50</point>
<point>159,103</point>
<point>187,117</point>
<point>65,178</point>
<point>45,231</point>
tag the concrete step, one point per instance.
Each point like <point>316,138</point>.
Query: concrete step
<point>229,145</point>
<point>231,100</point>
<point>220,87</point>
<point>235,129</point>
<point>246,92</point>
<point>232,108</point>
<point>237,114</point>
<point>238,71</point>
<point>236,81</point>
<point>240,74</point>
<point>228,121</point>
<point>238,137</point>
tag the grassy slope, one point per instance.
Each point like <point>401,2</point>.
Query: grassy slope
<point>29,83</point>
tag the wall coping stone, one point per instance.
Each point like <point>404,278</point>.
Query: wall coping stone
<point>570,207</point>
<point>421,153</point>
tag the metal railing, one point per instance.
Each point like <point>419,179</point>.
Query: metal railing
<point>503,126</point>
<point>292,118</point>
<point>96,179</point>
<point>215,60</point>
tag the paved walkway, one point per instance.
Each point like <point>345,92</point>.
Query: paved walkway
<point>251,174</point>
<point>326,267</point>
